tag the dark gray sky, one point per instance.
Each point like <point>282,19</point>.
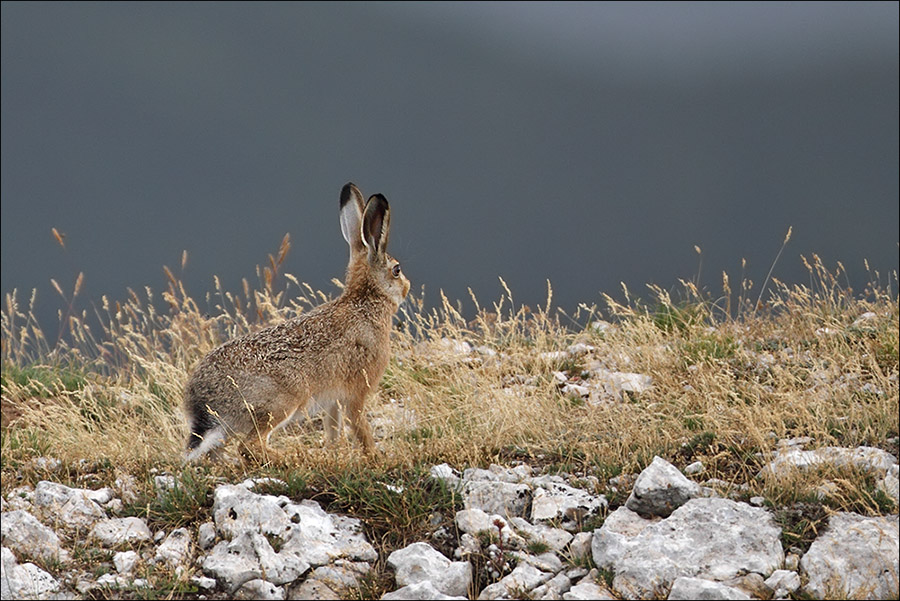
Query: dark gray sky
<point>585,143</point>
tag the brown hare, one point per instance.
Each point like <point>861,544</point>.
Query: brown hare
<point>330,359</point>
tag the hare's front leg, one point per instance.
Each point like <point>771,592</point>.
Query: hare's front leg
<point>360,425</point>
<point>333,422</point>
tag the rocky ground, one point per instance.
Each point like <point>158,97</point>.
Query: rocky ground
<point>520,534</point>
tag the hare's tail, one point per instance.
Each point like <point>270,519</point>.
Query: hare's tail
<point>206,433</point>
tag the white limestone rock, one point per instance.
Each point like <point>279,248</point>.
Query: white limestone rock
<point>307,531</point>
<point>237,509</point>
<point>446,473</point>
<point>869,459</point>
<point>419,591</point>
<point>206,535</point>
<point>699,589</point>
<point>26,581</point>
<point>890,484</point>
<point>419,562</point>
<point>545,562</point>
<point>331,581</point>
<point>176,549</point>
<point>618,534</point>
<point>259,589</point>
<point>694,468</point>
<point>580,547</point>
<point>473,521</point>
<point>865,321</point>
<point>204,582</point>
<point>74,508</point>
<point>250,556</point>
<point>252,483</point>
<point>751,583</point>
<point>24,534</point>
<point>855,558</point>
<point>18,498</point>
<point>118,531</point>
<point>783,582</point>
<point>617,385</point>
<point>164,483</point>
<point>555,538</point>
<point>113,581</point>
<point>46,464</point>
<point>554,499</point>
<point>48,493</point>
<point>553,588</point>
<point>319,538</point>
<point>125,561</point>
<point>503,498</point>
<point>51,494</point>
<point>661,489</point>
<point>521,580</point>
<point>468,545</point>
<point>452,346</point>
<point>572,389</point>
<point>588,588</point>
<point>710,538</point>
<point>497,490</point>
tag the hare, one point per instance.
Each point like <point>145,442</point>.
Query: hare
<point>329,359</point>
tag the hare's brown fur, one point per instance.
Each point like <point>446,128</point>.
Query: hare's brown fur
<point>331,358</point>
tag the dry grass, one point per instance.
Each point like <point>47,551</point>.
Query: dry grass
<point>730,377</point>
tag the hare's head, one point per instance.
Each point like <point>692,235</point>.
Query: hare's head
<point>366,227</point>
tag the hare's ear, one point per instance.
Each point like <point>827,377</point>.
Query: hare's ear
<point>351,217</point>
<point>376,225</point>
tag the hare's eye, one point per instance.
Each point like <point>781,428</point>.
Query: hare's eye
<point>395,270</point>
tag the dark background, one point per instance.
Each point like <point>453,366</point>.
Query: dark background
<point>590,144</point>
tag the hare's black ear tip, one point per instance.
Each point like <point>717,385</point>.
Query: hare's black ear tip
<point>347,192</point>
<point>380,199</point>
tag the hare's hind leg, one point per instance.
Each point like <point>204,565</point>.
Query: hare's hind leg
<point>255,446</point>
<point>256,442</point>
<point>255,449</point>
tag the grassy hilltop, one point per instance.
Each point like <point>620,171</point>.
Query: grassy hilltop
<point>730,377</point>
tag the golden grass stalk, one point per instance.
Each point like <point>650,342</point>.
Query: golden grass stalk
<point>474,391</point>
